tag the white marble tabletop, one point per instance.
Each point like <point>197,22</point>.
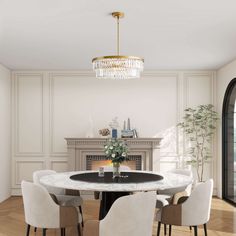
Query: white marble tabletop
<point>62,180</point>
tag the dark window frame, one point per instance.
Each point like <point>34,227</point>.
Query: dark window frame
<point>227,96</point>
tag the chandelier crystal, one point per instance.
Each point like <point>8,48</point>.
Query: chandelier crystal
<point>118,67</point>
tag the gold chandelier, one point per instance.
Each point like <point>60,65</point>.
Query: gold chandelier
<point>118,67</point>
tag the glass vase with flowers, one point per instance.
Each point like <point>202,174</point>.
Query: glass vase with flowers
<point>116,151</point>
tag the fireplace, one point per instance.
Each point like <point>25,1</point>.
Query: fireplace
<point>93,162</point>
<point>88,154</point>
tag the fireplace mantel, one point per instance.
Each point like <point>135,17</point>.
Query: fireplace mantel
<point>78,148</point>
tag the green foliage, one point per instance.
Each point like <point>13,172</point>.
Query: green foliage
<point>116,150</point>
<point>199,126</point>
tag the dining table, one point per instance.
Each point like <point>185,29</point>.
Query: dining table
<point>112,188</point>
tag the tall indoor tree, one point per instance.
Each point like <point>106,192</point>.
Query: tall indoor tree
<point>199,126</point>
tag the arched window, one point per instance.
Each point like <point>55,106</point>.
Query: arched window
<point>229,143</point>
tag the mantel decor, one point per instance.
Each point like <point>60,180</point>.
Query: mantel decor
<point>118,66</point>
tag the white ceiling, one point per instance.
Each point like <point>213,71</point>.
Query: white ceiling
<point>67,34</point>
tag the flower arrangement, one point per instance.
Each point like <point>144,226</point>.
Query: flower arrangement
<point>116,150</point>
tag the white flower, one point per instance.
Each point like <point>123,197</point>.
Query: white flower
<point>105,147</point>
<point>113,155</point>
<point>111,147</point>
<point>123,154</point>
<point>107,152</point>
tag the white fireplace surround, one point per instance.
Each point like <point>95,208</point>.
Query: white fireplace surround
<point>80,148</point>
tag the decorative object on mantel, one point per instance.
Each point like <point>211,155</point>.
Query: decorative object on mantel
<point>114,124</point>
<point>90,130</point>
<point>116,151</point>
<point>118,67</point>
<point>104,132</point>
<point>199,126</point>
<point>128,132</point>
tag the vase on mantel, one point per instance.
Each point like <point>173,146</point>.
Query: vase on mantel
<point>116,169</point>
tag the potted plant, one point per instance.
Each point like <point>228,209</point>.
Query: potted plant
<point>116,151</point>
<point>199,125</point>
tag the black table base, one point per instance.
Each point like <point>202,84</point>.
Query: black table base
<point>108,199</point>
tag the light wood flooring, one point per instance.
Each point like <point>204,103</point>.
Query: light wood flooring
<point>222,223</point>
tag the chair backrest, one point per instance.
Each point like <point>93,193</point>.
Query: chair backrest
<point>130,216</point>
<point>39,174</point>
<point>196,210</point>
<point>40,210</point>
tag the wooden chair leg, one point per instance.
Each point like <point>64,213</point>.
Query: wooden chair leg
<point>164,229</point>
<point>79,230</point>
<point>170,226</point>
<point>190,228</point>
<point>44,232</point>
<point>81,212</point>
<point>28,230</point>
<point>195,230</point>
<point>205,229</point>
<point>35,229</point>
<point>62,232</point>
<point>158,228</point>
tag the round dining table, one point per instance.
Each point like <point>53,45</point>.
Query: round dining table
<point>113,188</point>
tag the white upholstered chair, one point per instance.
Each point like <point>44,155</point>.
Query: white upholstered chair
<point>41,211</point>
<point>129,216</point>
<point>64,197</point>
<point>192,212</point>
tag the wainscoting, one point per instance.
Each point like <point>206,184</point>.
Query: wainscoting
<point>48,106</point>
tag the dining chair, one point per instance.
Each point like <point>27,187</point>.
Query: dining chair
<point>192,212</point>
<point>64,197</point>
<point>41,211</point>
<point>171,195</point>
<point>128,216</point>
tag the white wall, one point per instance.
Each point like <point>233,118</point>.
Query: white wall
<point>49,106</point>
<point>224,76</point>
<point>5,133</point>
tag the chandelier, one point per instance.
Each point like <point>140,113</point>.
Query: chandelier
<point>118,67</point>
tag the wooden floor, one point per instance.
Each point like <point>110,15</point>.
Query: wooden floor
<point>222,223</point>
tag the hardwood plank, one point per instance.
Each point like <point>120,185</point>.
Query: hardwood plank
<point>222,222</point>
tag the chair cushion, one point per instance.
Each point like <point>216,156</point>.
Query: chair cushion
<point>67,200</point>
<point>163,200</point>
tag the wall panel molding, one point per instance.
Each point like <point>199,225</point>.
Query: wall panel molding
<point>17,134</point>
<point>51,153</point>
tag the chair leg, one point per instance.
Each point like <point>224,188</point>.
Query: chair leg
<point>190,228</point>
<point>35,229</point>
<point>44,232</point>
<point>205,229</point>
<point>62,232</point>
<point>170,226</point>
<point>28,230</point>
<point>79,230</point>
<point>81,212</point>
<point>158,228</point>
<point>164,229</point>
<point>195,230</point>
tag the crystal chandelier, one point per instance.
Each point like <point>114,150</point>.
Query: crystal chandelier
<point>118,67</point>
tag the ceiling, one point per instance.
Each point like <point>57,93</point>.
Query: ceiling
<point>67,34</point>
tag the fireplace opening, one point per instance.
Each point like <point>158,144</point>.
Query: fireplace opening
<point>93,162</point>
